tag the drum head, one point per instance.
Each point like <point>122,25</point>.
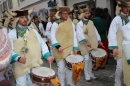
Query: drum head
<point>43,72</point>
<point>98,52</point>
<point>74,59</point>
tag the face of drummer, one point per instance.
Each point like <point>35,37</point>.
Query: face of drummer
<point>64,15</point>
<point>87,15</point>
<point>125,9</point>
<point>23,20</point>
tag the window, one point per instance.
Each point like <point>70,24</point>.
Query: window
<point>10,4</point>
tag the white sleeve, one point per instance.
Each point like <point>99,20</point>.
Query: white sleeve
<point>43,45</point>
<point>53,34</point>
<point>48,30</point>
<point>75,46</point>
<point>112,37</point>
<point>41,28</point>
<point>12,36</point>
<point>80,32</point>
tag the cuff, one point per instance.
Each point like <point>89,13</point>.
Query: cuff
<point>75,48</point>
<point>113,47</point>
<point>82,41</point>
<point>14,58</point>
<point>47,55</point>
<point>44,36</point>
<point>99,41</point>
<point>56,44</point>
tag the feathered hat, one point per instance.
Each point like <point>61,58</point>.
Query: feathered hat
<point>61,9</point>
<point>82,12</point>
<point>120,3</point>
<point>19,13</point>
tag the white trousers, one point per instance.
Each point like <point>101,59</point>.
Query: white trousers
<point>63,73</point>
<point>24,80</point>
<point>88,67</point>
<point>118,73</point>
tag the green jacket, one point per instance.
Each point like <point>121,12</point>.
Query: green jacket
<point>101,26</point>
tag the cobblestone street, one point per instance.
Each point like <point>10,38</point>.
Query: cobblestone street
<point>105,77</point>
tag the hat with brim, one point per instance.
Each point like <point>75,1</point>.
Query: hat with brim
<point>82,12</point>
<point>21,13</point>
<point>123,2</point>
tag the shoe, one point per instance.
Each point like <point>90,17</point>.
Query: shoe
<point>94,78</point>
<point>88,80</point>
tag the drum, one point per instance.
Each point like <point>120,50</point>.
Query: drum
<point>42,75</point>
<point>73,59</point>
<point>99,56</point>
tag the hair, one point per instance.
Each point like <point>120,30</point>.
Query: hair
<point>105,10</point>
<point>34,17</point>
<point>99,13</point>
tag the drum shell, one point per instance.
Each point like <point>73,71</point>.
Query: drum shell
<point>69,65</point>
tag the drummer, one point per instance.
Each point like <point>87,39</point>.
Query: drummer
<point>87,24</point>
<point>60,28</point>
<point>52,18</point>
<point>24,54</point>
<point>115,37</point>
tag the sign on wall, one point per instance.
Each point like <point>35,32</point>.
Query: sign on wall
<point>52,3</point>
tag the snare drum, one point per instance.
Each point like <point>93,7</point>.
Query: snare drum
<point>99,56</point>
<point>72,59</point>
<point>41,75</point>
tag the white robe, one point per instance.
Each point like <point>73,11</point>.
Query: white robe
<point>116,25</point>
<point>48,30</point>
<point>53,35</point>
<point>44,48</point>
<point>80,34</point>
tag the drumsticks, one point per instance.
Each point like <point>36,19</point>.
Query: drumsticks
<point>67,47</point>
<point>113,55</point>
<point>50,67</point>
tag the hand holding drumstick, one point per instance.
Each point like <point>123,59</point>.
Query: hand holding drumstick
<point>100,43</point>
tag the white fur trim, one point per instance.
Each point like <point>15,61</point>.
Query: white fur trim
<point>57,15</point>
<point>118,9</point>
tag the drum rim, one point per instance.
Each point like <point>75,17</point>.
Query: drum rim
<point>43,76</point>
<point>72,62</point>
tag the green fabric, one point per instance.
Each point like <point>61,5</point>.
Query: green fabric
<point>82,41</point>
<point>101,26</point>
<point>75,48</point>
<point>13,58</point>
<point>56,44</point>
<point>58,21</point>
<point>113,47</point>
<point>124,17</point>
<point>21,31</point>
<point>10,27</point>
<point>128,61</point>
<point>72,19</point>
<point>85,21</point>
<point>46,55</point>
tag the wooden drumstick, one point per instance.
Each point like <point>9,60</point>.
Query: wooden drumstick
<point>67,47</point>
<point>50,67</point>
<point>113,55</point>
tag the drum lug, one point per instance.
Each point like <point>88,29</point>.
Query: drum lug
<point>42,79</point>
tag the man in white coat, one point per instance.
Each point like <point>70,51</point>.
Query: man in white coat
<point>84,29</point>
<point>28,48</point>
<point>64,42</point>
<point>115,37</point>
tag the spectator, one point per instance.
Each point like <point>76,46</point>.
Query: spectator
<point>101,24</point>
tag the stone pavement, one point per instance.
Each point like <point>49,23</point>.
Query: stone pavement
<point>105,77</point>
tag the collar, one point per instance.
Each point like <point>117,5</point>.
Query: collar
<point>20,26</point>
<point>123,14</point>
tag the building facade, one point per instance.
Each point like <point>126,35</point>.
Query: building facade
<point>42,5</point>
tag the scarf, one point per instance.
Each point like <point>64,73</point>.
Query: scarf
<point>10,27</point>
<point>21,30</point>
<point>124,17</point>
<point>85,21</point>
